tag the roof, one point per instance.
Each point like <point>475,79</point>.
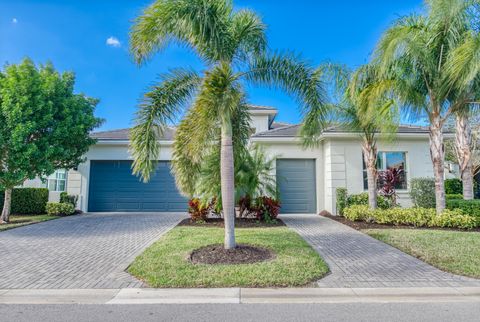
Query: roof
<point>124,134</point>
<point>293,130</point>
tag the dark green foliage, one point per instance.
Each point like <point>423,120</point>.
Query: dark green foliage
<point>453,186</point>
<point>60,209</point>
<point>422,192</point>
<point>362,199</point>
<point>342,196</point>
<point>66,198</point>
<point>27,201</point>
<point>469,207</point>
<point>454,196</point>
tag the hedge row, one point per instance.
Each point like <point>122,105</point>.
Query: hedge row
<point>418,217</point>
<point>27,201</point>
<point>469,207</point>
<point>345,200</point>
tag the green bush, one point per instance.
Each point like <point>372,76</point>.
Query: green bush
<point>422,192</point>
<point>362,199</point>
<point>453,186</point>
<point>60,209</point>
<point>27,201</point>
<point>453,196</point>
<point>418,217</point>
<point>469,207</point>
<point>342,196</point>
<point>66,198</point>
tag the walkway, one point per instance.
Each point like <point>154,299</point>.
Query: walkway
<point>85,251</point>
<point>358,260</point>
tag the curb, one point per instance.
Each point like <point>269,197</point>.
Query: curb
<point>238,295</point>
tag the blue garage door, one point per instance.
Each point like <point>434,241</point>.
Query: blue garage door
<point>114,188</point>
<point>296,184</point>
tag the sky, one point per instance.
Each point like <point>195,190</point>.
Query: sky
<point>90,38</point>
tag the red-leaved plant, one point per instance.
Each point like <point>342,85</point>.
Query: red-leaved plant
<point>389,180</point>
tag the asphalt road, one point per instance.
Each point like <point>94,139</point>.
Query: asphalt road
<point>245,312</point>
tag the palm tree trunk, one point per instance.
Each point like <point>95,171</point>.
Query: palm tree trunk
<point>370,159</point>
<point>5,218</point>
<point>437,154</point>
<point>228,185</point>
<point>463,150</point>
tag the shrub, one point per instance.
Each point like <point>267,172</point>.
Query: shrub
<point>422,192</point>
<point>266,209</point>
<point>453,186</point>
<point>27,201</point>
<point>453,196</point>
<point>66,198</point>
<point>60,209</point>
<point>198,211</point>
<point>342,196</point>
<point>468,207</point>
<point>362,199</point>
<point>418,217</point>
<point>454,219</point>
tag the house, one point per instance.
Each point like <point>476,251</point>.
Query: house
<point>307,178</point>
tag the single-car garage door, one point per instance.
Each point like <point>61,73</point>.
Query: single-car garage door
<point>296,184</point>
<point>114,188</point>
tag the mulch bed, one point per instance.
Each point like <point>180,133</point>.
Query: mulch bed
<point>239,223</point>
<point>242,254</point>
<point>361,225</point>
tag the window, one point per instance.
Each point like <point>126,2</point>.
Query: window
<point>57,181</point>
<point>390,160</point>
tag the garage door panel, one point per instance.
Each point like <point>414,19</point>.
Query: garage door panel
<point>296,184</point>
<point>114,188</point>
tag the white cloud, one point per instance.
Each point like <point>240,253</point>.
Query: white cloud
<point>113,41</point>
<point>14,20</point>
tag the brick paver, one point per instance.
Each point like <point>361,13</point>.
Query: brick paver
<point>358,260</point>
<point>85,251</point>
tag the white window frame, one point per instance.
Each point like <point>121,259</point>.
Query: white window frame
<point>56,179</point>
<point>383,153</point>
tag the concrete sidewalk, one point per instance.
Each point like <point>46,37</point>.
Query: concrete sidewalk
<point>240,295</point>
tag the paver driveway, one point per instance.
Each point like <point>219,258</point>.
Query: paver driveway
<point>85,251</point>
<point>358,260</point>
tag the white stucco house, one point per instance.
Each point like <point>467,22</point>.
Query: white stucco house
<point>307,178</point>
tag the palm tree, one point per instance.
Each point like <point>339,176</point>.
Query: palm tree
<point>351,113</point>
<point>415,57</point>
<point>232,46</point>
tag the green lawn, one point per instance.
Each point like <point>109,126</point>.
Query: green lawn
<point>166,264</point>
<point>452,251</point>
<point>18,221</point>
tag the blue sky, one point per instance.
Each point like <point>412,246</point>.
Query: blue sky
<point>73,35</point>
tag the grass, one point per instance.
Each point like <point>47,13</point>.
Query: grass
<point>452,251</point>
<point>166,263</point>
<point>18,221</point>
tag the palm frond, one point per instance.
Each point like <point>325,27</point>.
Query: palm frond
<point>248,34</point>
<point>159,107</point>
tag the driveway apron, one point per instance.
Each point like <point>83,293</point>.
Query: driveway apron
<point>84,251</point>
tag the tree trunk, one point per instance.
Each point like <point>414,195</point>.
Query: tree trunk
<point>437,154</point>
<point>5,218</point>
<point>463,149</point>
<point>228,185</point>
<point>370,159</point>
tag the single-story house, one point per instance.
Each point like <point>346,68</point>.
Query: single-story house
<point>307,178</point>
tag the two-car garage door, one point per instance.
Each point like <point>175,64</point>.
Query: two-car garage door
<point>112,187</point>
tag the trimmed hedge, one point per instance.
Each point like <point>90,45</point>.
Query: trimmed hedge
<point>60,209</point>
<point>27,201</point>
<point>422,192</point>
<point>418,217</point>
<point>453,186</point>
<point>361,199</point>
<point>454,196</point>
<point>469,207</point>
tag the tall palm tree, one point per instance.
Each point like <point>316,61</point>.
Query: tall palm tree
<point>414,56</point>
<point>232,44</point>
<point>353,114</point>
